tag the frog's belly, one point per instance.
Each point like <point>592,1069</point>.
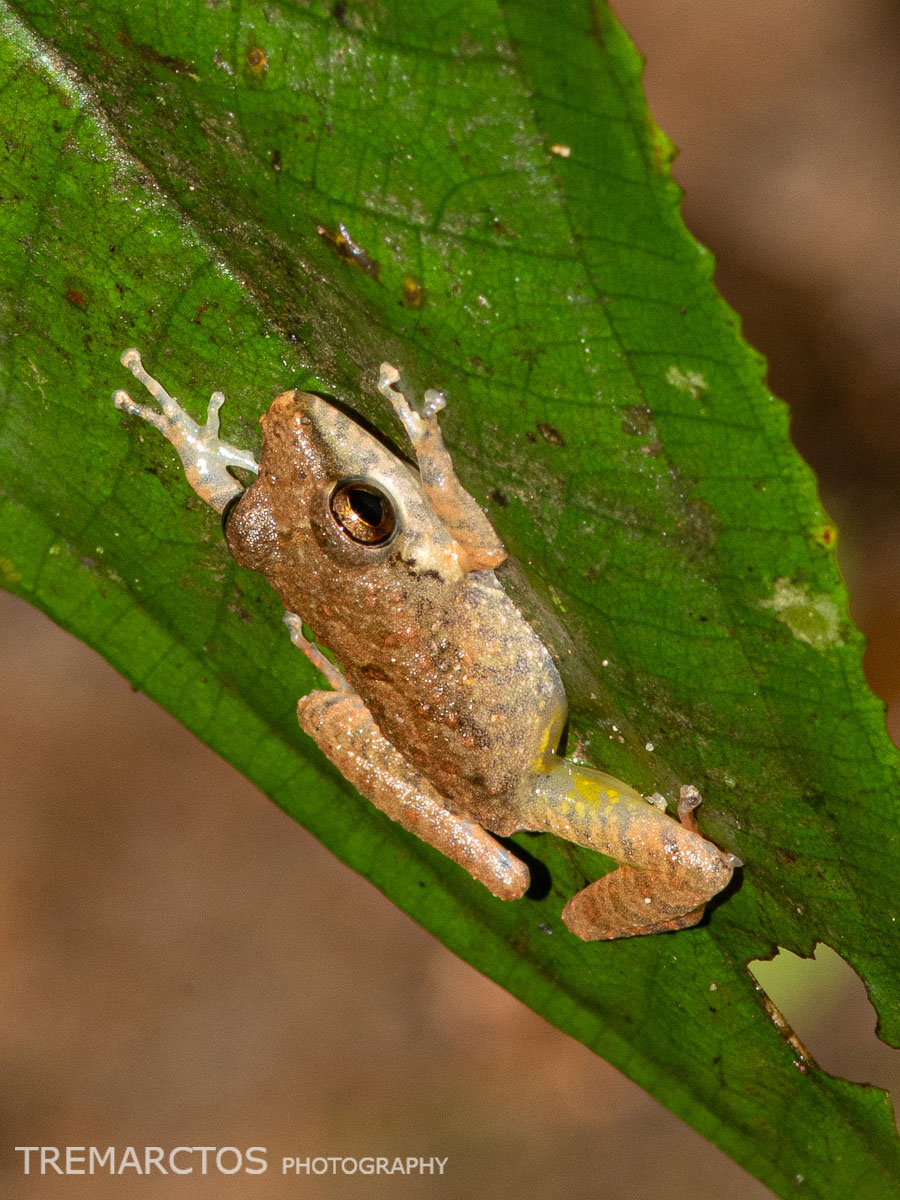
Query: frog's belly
<point>474,705</point>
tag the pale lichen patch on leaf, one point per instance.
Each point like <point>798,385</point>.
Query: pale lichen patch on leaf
<point>693,382</point>
<point>813,619</point>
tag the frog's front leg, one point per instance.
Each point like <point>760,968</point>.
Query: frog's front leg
<point>669,870</point>
<point>478,545</point>
<point>206,458</point>
<point>346,733</point>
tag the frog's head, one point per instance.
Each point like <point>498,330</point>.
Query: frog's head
<point>328,489</point>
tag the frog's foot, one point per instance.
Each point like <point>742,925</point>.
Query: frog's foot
<point>346,732</point>
<point>628,901</point>
<point>659,898</point>
<point>205,457</point>
<point>322,664</point>
<point>689,800</point>
<point>478,546</point>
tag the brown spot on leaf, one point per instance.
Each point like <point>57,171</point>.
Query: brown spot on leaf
<point>178,66</point>
<point>258,62</point>
<point>637,420</point>
<point>477,363</point>
<point>414,294</point>
<point>550,434</point>
<point>345,247</point>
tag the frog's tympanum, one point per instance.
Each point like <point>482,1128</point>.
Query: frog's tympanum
<point>447,710</point>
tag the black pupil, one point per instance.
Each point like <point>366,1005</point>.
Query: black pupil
<point>364,513</point>
<point>367,506</point>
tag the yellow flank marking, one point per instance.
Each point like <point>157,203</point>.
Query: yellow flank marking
<point>594,792</point>
<point>545,739</point>
<point>586,788</point>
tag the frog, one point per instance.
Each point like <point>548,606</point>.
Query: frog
<point>444,708</point>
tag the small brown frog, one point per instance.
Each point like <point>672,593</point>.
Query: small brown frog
<point>448,710</point>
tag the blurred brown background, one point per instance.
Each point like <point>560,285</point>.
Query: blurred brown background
<point>183,965</point>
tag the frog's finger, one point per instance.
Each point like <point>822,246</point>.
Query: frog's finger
<point>479,546</point>
<point>323,665</point>
<point>125,404</point>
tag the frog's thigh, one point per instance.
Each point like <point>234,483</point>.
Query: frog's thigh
<point>669,872</point>
<point>344,730</point>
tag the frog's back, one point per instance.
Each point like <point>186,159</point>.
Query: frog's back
<point>474,702</point>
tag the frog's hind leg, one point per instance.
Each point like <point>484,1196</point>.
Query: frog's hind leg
<point>669,870</point>
<point>346,733</point>
<point>630,901</point>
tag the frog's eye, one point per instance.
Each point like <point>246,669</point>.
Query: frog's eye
<point>364,512</point>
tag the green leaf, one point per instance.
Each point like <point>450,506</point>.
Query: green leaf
<point>175,177</point>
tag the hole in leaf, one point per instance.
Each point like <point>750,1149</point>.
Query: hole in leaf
<point>825,1003</point>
